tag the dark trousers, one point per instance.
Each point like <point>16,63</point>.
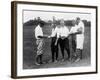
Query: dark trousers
<point>54,49</point>
<point>73,44</point>
<point>64,45</point>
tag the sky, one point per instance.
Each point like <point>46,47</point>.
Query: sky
<point>46,15</point>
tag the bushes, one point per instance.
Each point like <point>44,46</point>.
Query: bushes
<point>49,22</point>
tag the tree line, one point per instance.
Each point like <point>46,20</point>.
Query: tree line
<point>49,22</point>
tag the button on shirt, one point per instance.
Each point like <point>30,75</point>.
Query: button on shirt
<point>38,32</point>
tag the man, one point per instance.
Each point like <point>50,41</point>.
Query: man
<point>54,42</point>
<point>54,48</point>
<point>79,32</point>
<point>40,42</point>
<point>72,39</point>
<point>62,33</point>
<point>63,40</point>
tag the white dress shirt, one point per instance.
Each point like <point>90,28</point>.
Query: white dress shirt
<point>61,32</point>
<point>55,32</point>
<point>64,31</point>
<point>38,32</point>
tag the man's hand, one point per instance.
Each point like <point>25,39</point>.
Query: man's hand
<point>49,36</point>
<point>71,33</point>
<point>56,42</point>
<point>63,37</point>
<point>44,36</point>
<point>79,31</point>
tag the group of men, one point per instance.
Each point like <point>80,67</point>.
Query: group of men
<point>60,37</point>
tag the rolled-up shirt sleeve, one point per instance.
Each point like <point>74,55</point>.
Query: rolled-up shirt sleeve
<point>54,32</point>
<point>38,32</point>
<point>81,27</point>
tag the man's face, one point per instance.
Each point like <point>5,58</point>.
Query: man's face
<point>58,26</point>
<point>38,18</point>
<point>54,25</point>
<point>62,22</point>
<point>77,21</point>
<point>73,22</point>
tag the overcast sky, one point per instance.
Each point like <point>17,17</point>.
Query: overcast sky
<point>28,15</point>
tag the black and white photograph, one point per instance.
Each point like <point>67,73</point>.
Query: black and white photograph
<point>55,39</point>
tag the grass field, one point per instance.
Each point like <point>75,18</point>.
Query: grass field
<point>29,50</point>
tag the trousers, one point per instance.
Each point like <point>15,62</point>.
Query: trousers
<point>64,45</point>
<point>54,49</point>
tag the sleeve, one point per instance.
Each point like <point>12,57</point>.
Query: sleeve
<point>54,32</point>
<point>72,30</point>
<point>38,32</point>
<point>81,27</point>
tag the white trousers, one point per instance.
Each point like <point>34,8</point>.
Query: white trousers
<point>80,41</point>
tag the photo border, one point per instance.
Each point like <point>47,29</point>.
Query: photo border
<point>14,37</point>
